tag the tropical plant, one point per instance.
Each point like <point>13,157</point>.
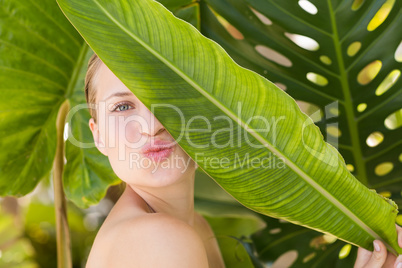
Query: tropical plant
<point>42,65</point>
<point>323,52</point>
<point>345,59</point>
<point>48,53</point>
<point>193,70</point>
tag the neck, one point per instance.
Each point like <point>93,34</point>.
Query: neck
<point>176,200</point>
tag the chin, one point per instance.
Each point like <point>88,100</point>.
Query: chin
<point>153,173</point>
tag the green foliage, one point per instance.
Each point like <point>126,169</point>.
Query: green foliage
<point>357,107</point>
<point>43,63</point>
<point>349,85</point>
<point>368,104</point>
<point>301,182</point>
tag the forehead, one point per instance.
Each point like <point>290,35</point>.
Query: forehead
<point>107,83</point>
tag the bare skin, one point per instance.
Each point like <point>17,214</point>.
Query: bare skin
<point>124,219</point>
<point>153,224</point>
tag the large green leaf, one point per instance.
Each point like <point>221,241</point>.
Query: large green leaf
<point>34,75</point>
<point>347,42</point>
<point>160,57</point>
<point>264,23</point>
<point>42,63</point>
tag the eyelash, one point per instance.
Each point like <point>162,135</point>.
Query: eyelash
<point>117,105</point>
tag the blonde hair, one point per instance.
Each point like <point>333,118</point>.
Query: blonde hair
<point>93,66</point>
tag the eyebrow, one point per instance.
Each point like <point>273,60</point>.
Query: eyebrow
<point>119,94</point>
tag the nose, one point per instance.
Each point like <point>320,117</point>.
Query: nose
<point>152,127</point>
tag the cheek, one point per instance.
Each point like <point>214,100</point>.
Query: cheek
<point>122,133</point>
<point>125,142</point>
<point>132,132</point>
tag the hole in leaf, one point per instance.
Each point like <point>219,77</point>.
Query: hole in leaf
<point>344,252</point>
<point>350,167</point>
<point>381,15</point>
<point>329,238</point>
<point>357,4</point>
<point>386,194</point>
<point>374,139</point>
<point>317,79</point>
<point>303,41</point>
<point>309,257</point>
<point>383,168</point>
<point>394,120</point>
<point>286,259</point>
<point>272,55</point>
<point>361,107</point>
<point>334,131</point>
<point>236,34</point>
<point>275,231</point>
<point>320,242</point>
<point>261,17</point>
<point>308,7</point>
<point>399,220</point>
<point>369,72</point>
<point>353,48</point>
<point>325,60</point>
<point>334,111</point>
<point>398,53</point>
<point>388,82</point>
<point>281,86</point>
<point>313,111</point>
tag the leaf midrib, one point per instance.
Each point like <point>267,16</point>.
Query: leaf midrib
<point>269,146</point>
<point>349,104</point>
<point>299,19</point>
<point>350,116</point>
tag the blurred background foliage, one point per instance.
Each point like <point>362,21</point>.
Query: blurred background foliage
<point>27,224</point>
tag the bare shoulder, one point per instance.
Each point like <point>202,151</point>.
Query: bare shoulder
<point>151,240</point>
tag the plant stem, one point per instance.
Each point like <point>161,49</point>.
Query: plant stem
<point>60,203</point>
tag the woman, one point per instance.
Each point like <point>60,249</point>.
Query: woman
<point>153,224</point>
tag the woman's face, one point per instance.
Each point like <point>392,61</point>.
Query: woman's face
<point>139,148</point>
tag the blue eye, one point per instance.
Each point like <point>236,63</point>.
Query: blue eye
<point>121,107</point>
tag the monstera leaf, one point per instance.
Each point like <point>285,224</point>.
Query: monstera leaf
<point>358,108</point>
<point>341,57</point>
<point>295,175</point>
<point>362,108</point>
<point>42,63</point>
<point>283,244</point>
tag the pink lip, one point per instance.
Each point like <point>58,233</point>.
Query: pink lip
<point>158,149</point>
